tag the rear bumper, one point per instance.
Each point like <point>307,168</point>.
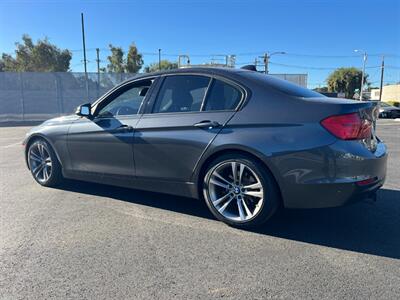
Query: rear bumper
<point>334,175</point>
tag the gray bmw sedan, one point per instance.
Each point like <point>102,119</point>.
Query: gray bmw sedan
<point>246,142</point>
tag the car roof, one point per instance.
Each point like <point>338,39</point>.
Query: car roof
<point>205,70</point>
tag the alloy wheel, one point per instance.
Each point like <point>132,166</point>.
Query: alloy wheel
<point>235,191</point>
<point>40,162</point>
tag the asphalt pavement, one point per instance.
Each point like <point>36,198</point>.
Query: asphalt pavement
<point>91,241</point>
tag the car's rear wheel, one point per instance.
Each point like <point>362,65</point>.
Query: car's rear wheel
<point>43,163</point>
<point>240,191</point>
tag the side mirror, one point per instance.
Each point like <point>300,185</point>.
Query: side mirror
<point>84,110</point>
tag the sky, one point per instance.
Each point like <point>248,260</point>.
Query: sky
<point>317,35</point>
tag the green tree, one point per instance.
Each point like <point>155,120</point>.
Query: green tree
<point>322,89</point>
<point>134,60</point>
<point>119,64</point>
<point>40,57</point>
<point>345,80</point>
<point>165,65</point>
<point>116,60</point>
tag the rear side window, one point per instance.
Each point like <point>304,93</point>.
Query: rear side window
<point>222,96</point>
<point>181,93</point>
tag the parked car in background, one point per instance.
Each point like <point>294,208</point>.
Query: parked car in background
<point>388,111</point>
<point>245,142</point>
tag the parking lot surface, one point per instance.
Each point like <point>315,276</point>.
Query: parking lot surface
<point>91,241</point>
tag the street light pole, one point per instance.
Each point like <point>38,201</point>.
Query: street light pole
<point>84,57</point>
<point>266,58</point>
<point>365,56</point>
<point>381,83</point>
<point>159,59</point>
<point>98,71</point>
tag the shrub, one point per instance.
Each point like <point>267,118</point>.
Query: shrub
<point>393,103</point>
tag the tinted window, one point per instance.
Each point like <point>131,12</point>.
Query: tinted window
<point>126,101</point>
<point>222,96</point>
<point>284,86</point>
<point>181,93</point>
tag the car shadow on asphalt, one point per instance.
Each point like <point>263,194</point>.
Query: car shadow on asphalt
<point>365,227</point>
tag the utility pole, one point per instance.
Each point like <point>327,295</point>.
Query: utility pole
<point>98,70</point>
<point>266,58</point>
<point>159,59</point>
<point>84,57</point>
<point>382,70</point>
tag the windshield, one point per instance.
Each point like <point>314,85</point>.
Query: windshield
<point>284,86</point>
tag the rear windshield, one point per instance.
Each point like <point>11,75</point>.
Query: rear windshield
<point>284,86</point>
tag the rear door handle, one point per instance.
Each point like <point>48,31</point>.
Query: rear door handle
<point>207,124</point>
<point>125,127</point>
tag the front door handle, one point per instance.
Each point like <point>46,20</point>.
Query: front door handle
<point>207,124</point>
<point>125,127</point>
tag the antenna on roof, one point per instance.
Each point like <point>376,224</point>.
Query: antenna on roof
<point>249,67</point>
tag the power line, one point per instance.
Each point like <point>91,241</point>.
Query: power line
<point>313,68</point>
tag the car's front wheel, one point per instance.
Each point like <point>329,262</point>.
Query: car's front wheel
<point>240,191</point>
<point>43,163</point>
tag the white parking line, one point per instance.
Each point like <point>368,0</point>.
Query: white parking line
<point>388,124</point>
<point>11,145</point>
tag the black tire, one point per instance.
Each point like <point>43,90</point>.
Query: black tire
<point>271,195</point>
<point>55,176</point>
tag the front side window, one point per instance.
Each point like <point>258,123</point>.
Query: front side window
<point>222,96</point>
<point>181,93</point>
<point>127,101</point>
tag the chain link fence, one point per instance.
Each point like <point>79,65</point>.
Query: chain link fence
<point>36,96</point>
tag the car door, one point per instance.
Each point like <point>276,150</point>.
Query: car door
<point>103,145</point>
<point>180,122</point>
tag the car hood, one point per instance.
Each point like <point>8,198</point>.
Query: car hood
<point>60,120</point>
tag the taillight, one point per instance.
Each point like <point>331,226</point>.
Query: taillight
<point>348,126</point>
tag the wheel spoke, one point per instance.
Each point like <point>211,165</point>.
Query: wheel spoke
<point>246,208</point>
<point>258,194</point>
<point>234,171</point>
<point>216,174</point>
<point>34,157</point>
<point>215,182</point>
<point>241,169</point>
<point>240,208</point>
<point>256,185</point>
<point>222,199</point>
<point>223,207</point>
<point>45,175</point>
<point>37,170</point>
<point>41,151</point>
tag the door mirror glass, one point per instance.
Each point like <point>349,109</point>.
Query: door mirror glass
<point>84,110</point>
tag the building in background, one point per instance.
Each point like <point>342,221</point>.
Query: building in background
<point>389,93</point>
<point>299,79</point>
